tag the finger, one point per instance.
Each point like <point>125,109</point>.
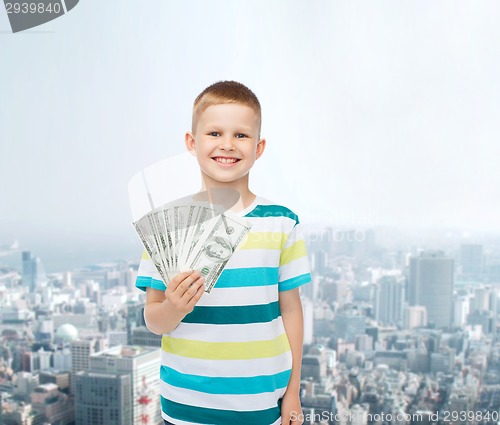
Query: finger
<point>196,297</point>
<point>194,289</point>
<point>174,283</point>
<point>187,282</point>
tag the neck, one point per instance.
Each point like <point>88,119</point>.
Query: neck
<point>246,197</point>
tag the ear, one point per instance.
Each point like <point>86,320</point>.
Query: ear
<point>261,145</point>
<point>190,143</point>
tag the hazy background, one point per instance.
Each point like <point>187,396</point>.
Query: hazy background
<point>375,112</point>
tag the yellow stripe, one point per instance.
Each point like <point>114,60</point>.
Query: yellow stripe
<point>264,240</point>
<point>297,250</point>
<point>145,255</point>
<point>226,350</point>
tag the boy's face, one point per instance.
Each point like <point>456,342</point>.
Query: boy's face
<point>226,142</point>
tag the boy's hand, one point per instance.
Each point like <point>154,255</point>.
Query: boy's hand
<point>184,291</point>
<point>291,412</point>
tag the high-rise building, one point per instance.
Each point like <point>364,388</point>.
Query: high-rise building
<point>54,376</point>
<point>471,258</point>
<point>348,326</point>
<point>460,310</point>
<point>389,300</point>
<point>315,363</point>
<point>431,285</point>
<point>62,359</point>
<point>55,406</point>
<point>145,338</point>
<point>81,350</point>
<point>415,316</point>
<point>143,365</point>
<point>33,274</point>
<point>484,299</point>
<point>103,399</point>
<point>117,338</point>
<point>135,318</point>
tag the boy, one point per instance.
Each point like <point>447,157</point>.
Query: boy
<point>233,356</point>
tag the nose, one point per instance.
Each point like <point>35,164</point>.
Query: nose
<point>227,143</point>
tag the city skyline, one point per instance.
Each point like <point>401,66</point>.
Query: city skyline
<point>368,319</point>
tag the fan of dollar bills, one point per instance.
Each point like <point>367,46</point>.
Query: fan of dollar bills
<point>193,233</point>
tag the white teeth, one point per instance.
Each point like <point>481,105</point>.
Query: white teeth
<point>225,160</point>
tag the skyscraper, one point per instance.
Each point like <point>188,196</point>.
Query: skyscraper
<point>33,272</point>
<point>389,300</point>
<point>349,325</point>
<point>471,259</point>
<point>414,317</point>
<point>81,349</point>
<point>431,285</point>
<point>103,399</point>
<point>142,364</point>
<point>135,318</point>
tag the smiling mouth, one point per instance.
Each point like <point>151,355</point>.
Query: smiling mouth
<point>225,160</point>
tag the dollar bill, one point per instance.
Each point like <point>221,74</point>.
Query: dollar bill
<point>222,236</point>
<point>195,230</point>
<point>149,235</point>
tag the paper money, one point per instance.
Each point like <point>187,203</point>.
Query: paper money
<point>191,234</point>
<point>215,247</point>
<point>152,246</point>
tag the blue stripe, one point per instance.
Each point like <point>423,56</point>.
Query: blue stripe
<point>273,211</point>
<point>142,282</point>
<point>226,385</point>
<point>294,282</point>
<point>205,415</point>
<point>248,276</point>
<point>231,315</point>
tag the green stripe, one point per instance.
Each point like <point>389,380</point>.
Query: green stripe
<point>294,282</point>
<point>142,282</point>
<point>248,276</point>
<point>205,415</point>
<point>231,315</point>
<point>226,350</point>
<point>226,385</point>
<point>273,211</point>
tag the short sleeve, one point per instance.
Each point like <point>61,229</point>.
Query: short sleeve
<point>147,275</point>
<point>294,269</point>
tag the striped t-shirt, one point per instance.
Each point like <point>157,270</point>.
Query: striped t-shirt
<point>229,361</point>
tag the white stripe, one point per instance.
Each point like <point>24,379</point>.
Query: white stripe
<point>239,296</point>
<point>229,333</point>
<point>178,421</point>
<point>294,268</point>
<point>252,402</point>
<point>228,368</point>
<point>244,258</point>
<point>294,236</point>
<point>148,269</point>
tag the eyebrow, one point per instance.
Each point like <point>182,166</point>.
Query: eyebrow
<point>238,130</point>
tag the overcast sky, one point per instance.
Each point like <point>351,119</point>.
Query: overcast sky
<point>375,112</point>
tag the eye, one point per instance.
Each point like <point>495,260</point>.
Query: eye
<point>214,134</point>
<point>241,135</point>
